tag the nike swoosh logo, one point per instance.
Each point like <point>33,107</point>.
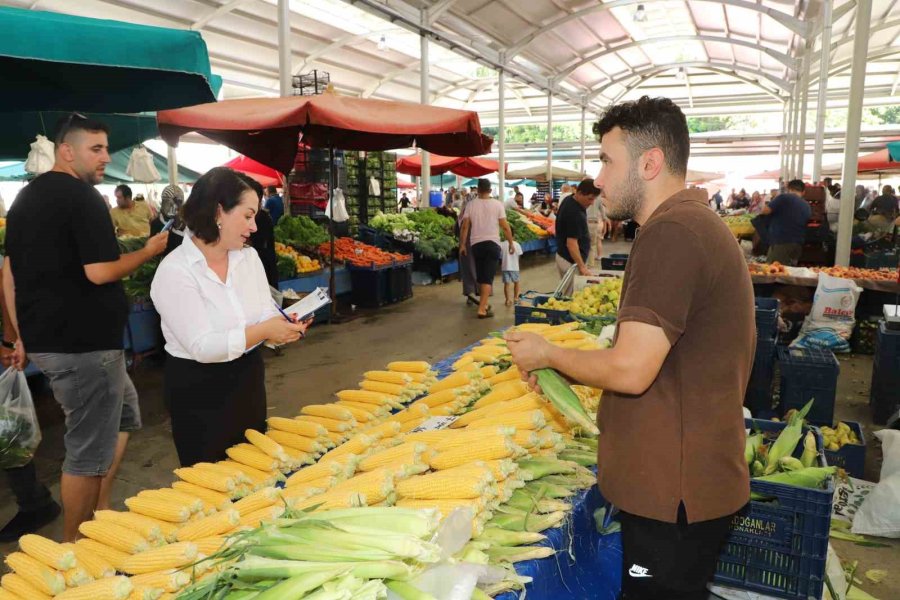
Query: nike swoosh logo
<point>638,574</point>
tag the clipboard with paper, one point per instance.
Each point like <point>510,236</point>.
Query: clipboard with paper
<point>309,304</point>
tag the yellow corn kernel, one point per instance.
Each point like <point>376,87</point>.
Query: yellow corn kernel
<point>381,387</point>
<point>145,593</point>
<point>332,425</point>
<point>446,410</point>
<point>331,500</point>
<point>77,576</point>
<point>394,377</point>
<point>409,366</point>
<point>147,527</point>
<point>250,455</point>
<point>47,551</point>
<point>228,470</point>
<point>463,361</point>
<point>453,381</point>
<point>304,428</point>
<point>436,486</point>
<point>266,444</point>
<point>355,445</point>
<point>383,430</point>
<point>210,545</point>
<point>312,473</point>
<point>510,374</point>
<point>526,439</point>
<point>411,413</point>
<point>445,506</point>
<point>110,588</point>
<point>114,535</point>
<point>530,420</point>
<point>328,411</point>
<point>259,499</point>
<point>216,524</point>
<point>19,586</point>
<point>488,448</point>
<point>370,397</point>
<point>263,515</point>
<point>375,485</point>
<point>173,556</point>
<point>396,454</point>
<point>412,424</point>
<point>298,442</point>
<point>503,391</point>
<point>360,412</point>
<point>258,477</point>
<point>193,503</point>
<point>46,579</point>
<point>372,409</point>
<point>211,497</point>
<point>107,553</point>
<point>4,595</point>
<point>293,495</point>
<point>169,580</point>
<point>218,482</point>
<point>336,438</point>
<point>93,563</point>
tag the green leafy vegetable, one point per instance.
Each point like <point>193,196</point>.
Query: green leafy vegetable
<point>299,231</point>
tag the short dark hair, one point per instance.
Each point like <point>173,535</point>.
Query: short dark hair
<point>217,187</point>
<point>252,183</point>
<point>484,186</point>
<point>586,187</point>
<point>77,122</point>
<point>519,194</point>
<point>650,123</point>
<point>796,185</point>
<point>271,190</point>
<point>126,191</point>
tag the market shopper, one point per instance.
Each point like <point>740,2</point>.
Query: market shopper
<point>466,259</point>
<point>671,453</point>
<point>885,206</point>
<point>216,309</point>
<point>274,203</point>
<point>130,218</point>
<point>67,303</point>
<point>573,232</point>
<point>481,225</point>
<point>509,272</point>
<point>789,214</point>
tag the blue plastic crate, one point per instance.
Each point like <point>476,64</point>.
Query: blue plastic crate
<point>142,332</point>
<point>758,397</point>
<point>807,374</point>
<point>851,457</point>
<point>778,547</point>
<point>767,310</point>
<point>450,267</point>
<point>528,310</point>
<point>400,282</point>
<point>884,397</point>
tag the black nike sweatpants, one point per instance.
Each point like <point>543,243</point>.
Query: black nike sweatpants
<point>669,561</point>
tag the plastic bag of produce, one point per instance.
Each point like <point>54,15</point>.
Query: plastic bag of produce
<point>880,511</point>
<point>41,156</point>
<point>141,166</point>
<point>20,432</point>
<point>830,323</point>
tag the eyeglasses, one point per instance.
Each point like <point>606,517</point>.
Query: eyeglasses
<point>63,129</point>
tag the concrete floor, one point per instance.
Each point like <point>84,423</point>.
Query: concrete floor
<point>433,324</point>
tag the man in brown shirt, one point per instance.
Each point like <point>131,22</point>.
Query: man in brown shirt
<point>672,432</point>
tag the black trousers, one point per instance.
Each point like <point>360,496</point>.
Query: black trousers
<point>31,494</point>
<point>669,561</point>
<point>211,404</point>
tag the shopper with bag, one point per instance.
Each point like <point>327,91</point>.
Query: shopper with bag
<point>216,310</point>
<point>62,280</point>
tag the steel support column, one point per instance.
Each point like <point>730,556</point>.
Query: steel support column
<point>854,119</point>
<point>550,139</point>
<point>501,134</point>
<point>284,48</point>
<point>821,101</point>
<point>172,158</point>
<point>425,91</point>
<point>804,106</point>
<point>583,117</point>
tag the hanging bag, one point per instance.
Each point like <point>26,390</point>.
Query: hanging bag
<point>141,167</point>
<point>20,432</point>
<point>41,156</point>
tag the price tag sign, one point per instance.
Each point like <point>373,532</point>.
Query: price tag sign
<point>435,423</point>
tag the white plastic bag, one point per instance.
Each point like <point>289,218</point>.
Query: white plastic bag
<point>20,432</point>
<point>340,208</point>
<point>830,323</point>
<point>41,157</point>
<point>141,167</point>
<point>880,511</point>
<point>374,187</point>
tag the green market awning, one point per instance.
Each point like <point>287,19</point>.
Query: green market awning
<point>115,170</point>
<point>894,151</point>
<point>53,61</point>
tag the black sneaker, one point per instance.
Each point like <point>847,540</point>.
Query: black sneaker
<point>29,522</point>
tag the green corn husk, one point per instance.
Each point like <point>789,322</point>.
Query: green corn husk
<point>583,458</point>
<point>809,477</point>
<point>787,439</point>
<point>757,469</point>
<point>557,390</point>
<point>753,442</point>
<point>810,451</point>
<point>517,554</point>
<point>407,591</point>
<point>254,568</point>
<point>478,594</point>
<point>295,587</point>
<point>522,501</point>
<point>330,595</point>
<point>541,467</point>
<point>527,522</point>
<point>548,490</point>
<point>789,463</point>
<point>501,537</point>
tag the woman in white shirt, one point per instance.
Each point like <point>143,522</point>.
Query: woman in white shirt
<point>216,309</point>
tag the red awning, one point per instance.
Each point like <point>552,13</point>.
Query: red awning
<point>260,172</point>
<point>267,129</point>
<point>405,185</point>
<point>458,165</point>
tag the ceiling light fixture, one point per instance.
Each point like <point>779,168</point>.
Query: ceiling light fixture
<point>382,43</point>
<point>640,15</point>
<point>680,74</point>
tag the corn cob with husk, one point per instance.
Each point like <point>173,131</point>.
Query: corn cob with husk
<point>46,579</point>
<point>810,450</point>
<point>173,556</point>
<point>111,588</point>
<point>332,500</point>
<point>375,485</point>
<point>488,448</point>
<point>263,515</point>
<point>558,392</point>
<point>304,428</point>
<point>261,498</point>
<point>787,440</point>
<point>442,486</point>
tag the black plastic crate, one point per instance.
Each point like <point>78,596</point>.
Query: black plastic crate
<point>884,397</point>
<point>767,310</point>
<point>400,282</point>
<point>528,310</point>
<point>863,338</point>
<point>758,397</point>
<point>778,547</point>
<point>614,262</point>
<point>369,288</point>
<point>806,374</point>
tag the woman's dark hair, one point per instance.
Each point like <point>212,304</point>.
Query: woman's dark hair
<point>254,184</point>
<point>217,187</point>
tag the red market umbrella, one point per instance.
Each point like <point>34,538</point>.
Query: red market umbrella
<point>258,171</point>
<point>405,185</point>
<point>873,164</point>
<point>267,129</point>
<point>458,165</point>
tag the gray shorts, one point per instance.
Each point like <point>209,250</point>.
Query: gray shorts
<point>98,399</point>
<point>510,277</point>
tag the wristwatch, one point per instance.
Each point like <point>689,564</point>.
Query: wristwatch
<point>9,345</point>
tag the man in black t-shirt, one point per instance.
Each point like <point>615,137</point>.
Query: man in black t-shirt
<point>573,237</point>
<point>62,283</point>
